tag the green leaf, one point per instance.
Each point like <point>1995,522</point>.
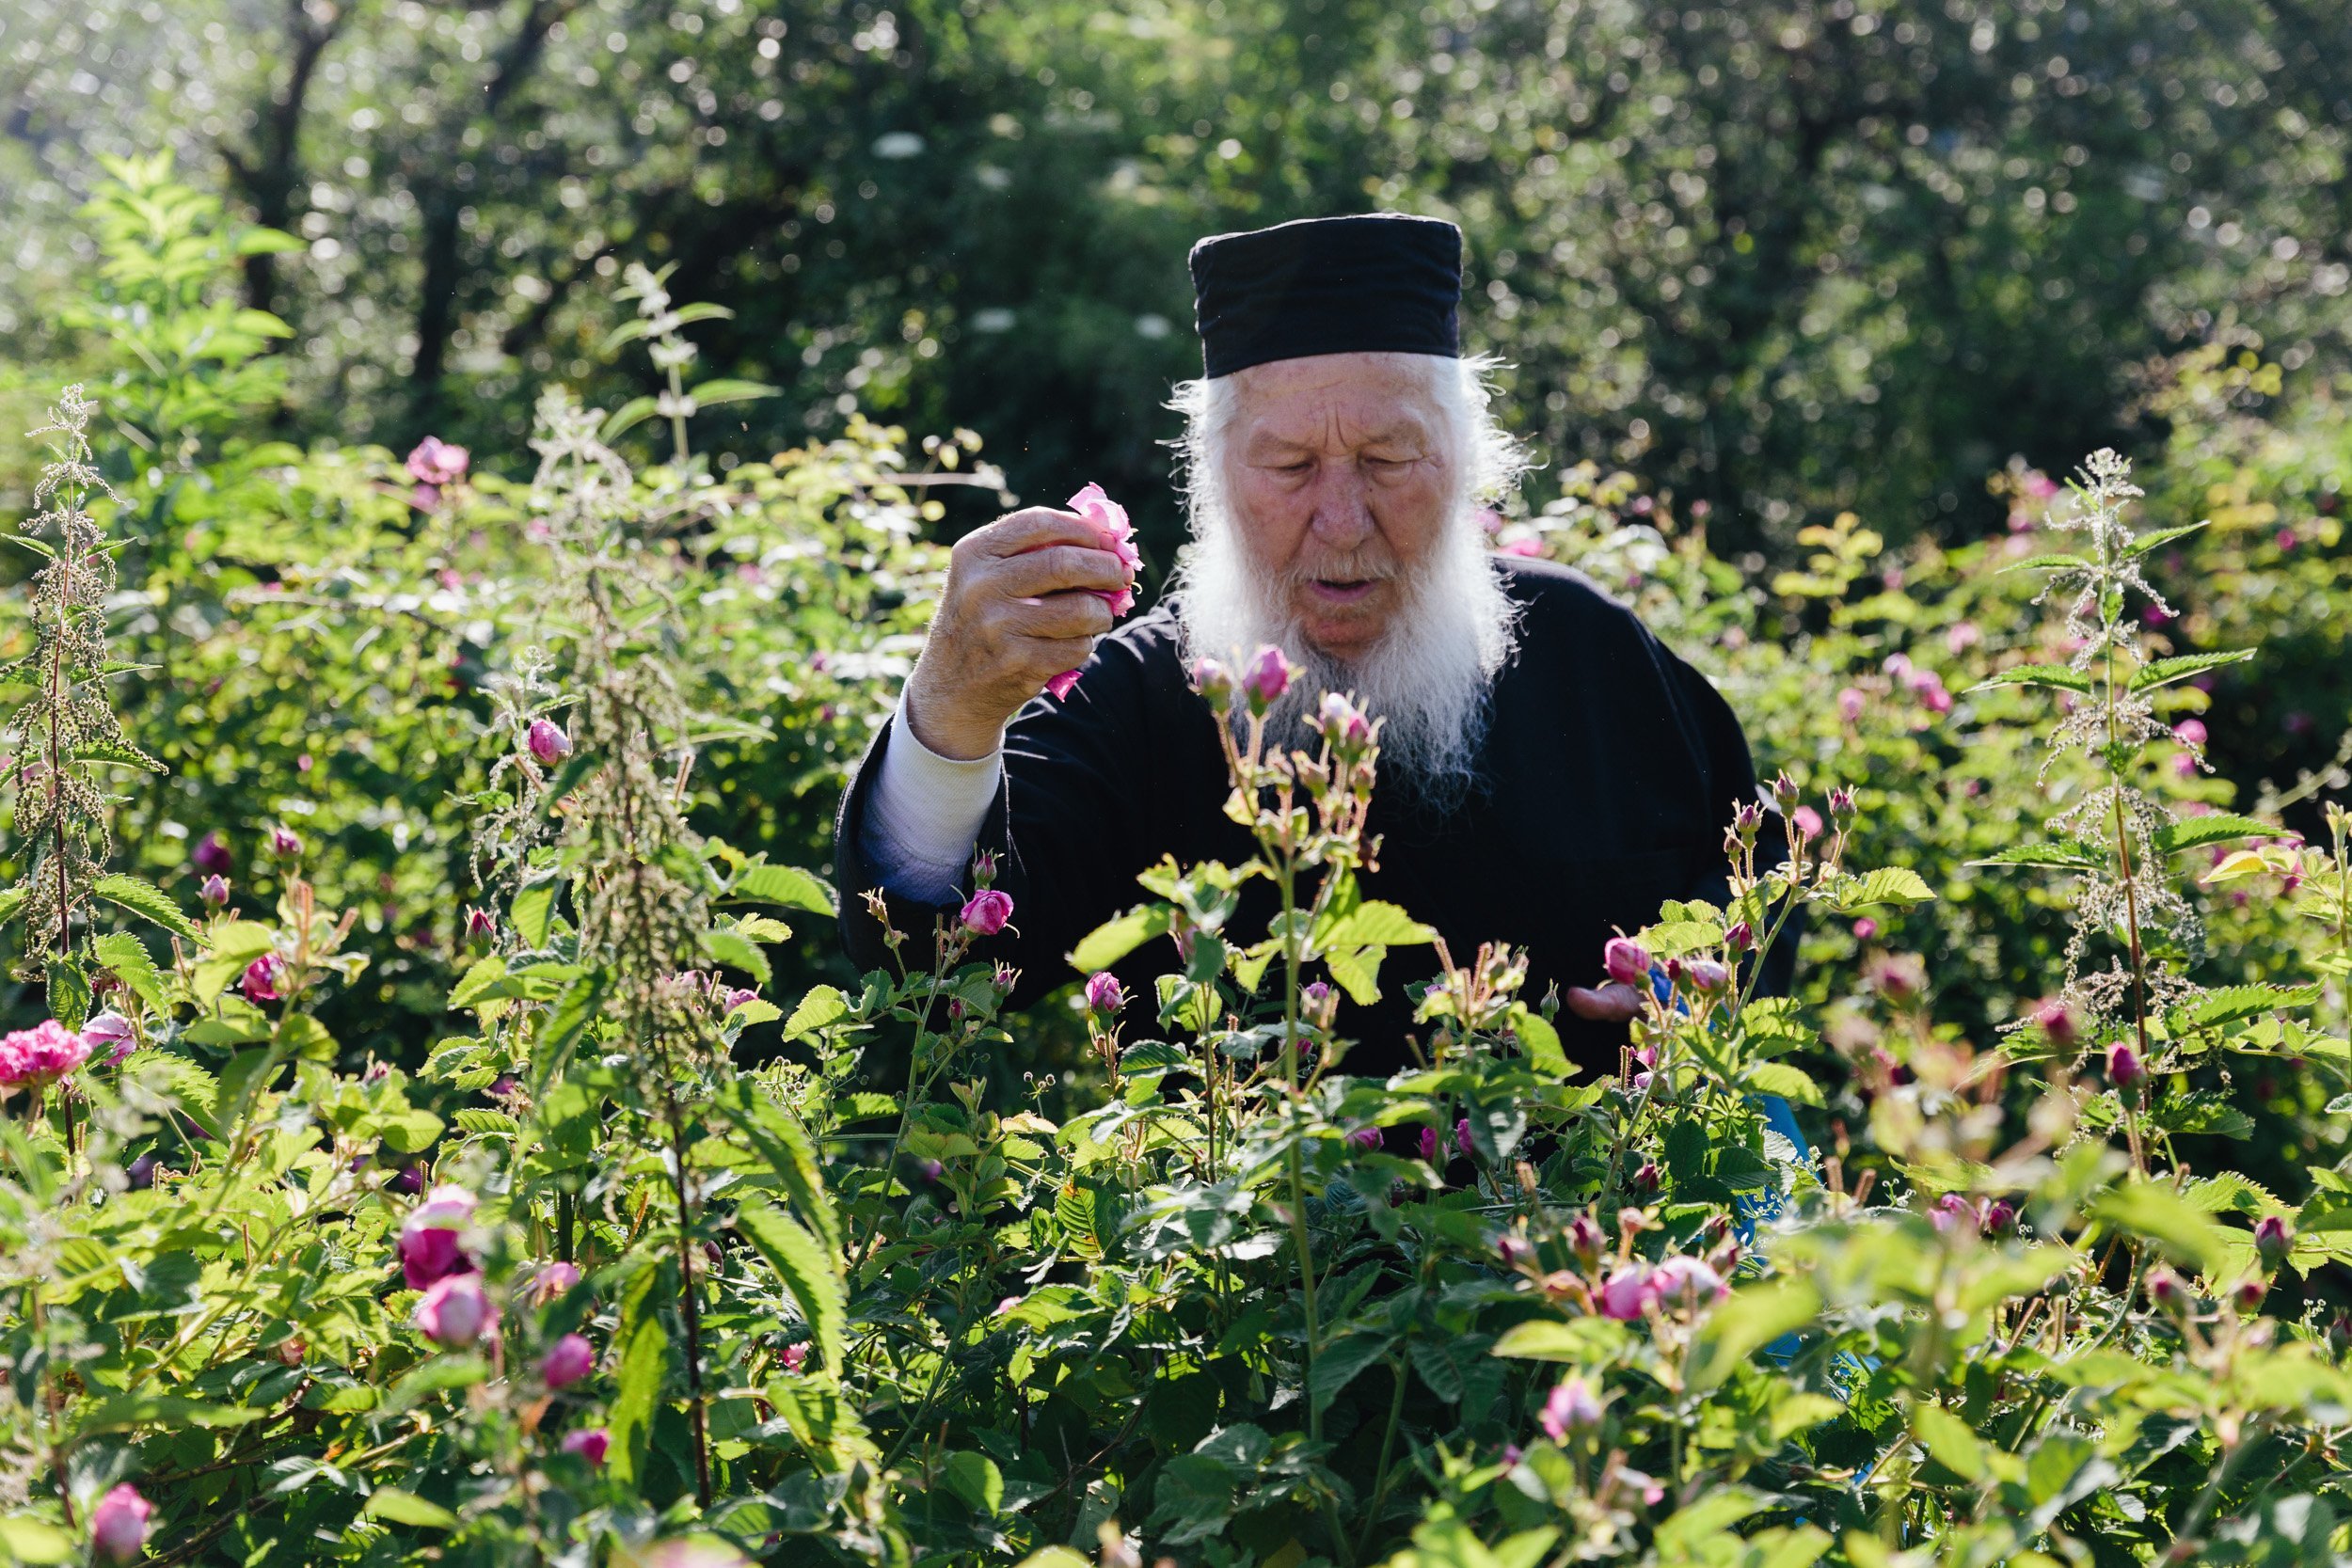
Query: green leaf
<point>1341,1358</point>
<point>2147,542</point>
<point>2058,677</point>
<point>69,991</point>
<point>484,974</point>
<point>633,413</point>
<point>2195,833</point>
<point>31,1540</point>
<point>1541,1042</point>
<point>732,947</point>
<point>782,884</point>
<point>1584,1342</point>
<point>144,899</point>
<point>2048,563</point>
<point>809,1270</point>
<point>1785,1081</point>
<point>1892,885</point>
<point>820,1006</point>
<point>712,393</point>
<point>103,749</point>
<point>644,1355</point>
<point>406,1508</point>
<point>128,960</point>
<point>1754,1317</point>
<point>2058,855</point>
<point>409,1131</point>
<point>2164,671</point>
<point>534,912</point>
<point>973,1478</point>
<point>2232,1003</point>
<point>2155,1211</point>
<point>779,1139</point>
<point>1948,1438</point>
<point>1358,973</point>
<point>1115,939</point>
<point>1375,924</point>
<point>129,1412</point>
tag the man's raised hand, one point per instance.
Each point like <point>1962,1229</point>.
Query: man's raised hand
<point>1021,607</point>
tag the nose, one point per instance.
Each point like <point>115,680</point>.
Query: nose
<point>1343,519</point>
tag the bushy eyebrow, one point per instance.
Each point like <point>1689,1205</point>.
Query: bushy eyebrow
<point>1261,443</point>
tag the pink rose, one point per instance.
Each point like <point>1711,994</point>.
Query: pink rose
<point>796,1356</point>
<point>2189,731</point>
<point>2125,1068</point>
<point>1102,992</point>
<point>1109,521</point>
<point>1628,1293</point>
<point>570,1358</point>
<point>1681,1281</point>
<point>117,1525</point>
<point>547,742</point>
<point>1265,677</point>
<point>554,1280</point>
<point>1850,704</point>
<point>987,912</point>
<point>111,1033</point>
<point>590,1443</point>
<point>1342,721</point>
<point>212,855</point>
<point>214,892</point>
<point>1865,929</point>
<point>1364,1137</point>
<point>435,461</point>
<point>429,1249</point>
<point>1627,961</point>
<point>285,842</point>
<point>263,977</point>
<point>39,1057</point>
<point>456,1311</point>
<point>1572,1407</point>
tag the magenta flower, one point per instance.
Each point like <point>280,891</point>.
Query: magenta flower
<point>212,855</point>
<point>796,1356</point>
<point>2166,1290</point>
<point>1850,704</point>
<point>1963,636</point>
<point>2125,1068</point>
<point>1627,961</point>
<point>1342,722</point>
<point>1585,1240</point>
<point>1462,1138</point>
<point>1572,1407</point>
<point>36,1057</point>
<point>1213,681</point>
<point>2058,1021</point>
<point>1808,821</point>
<point>480,923</point>
<point>1648,1178</point>
<point>1364,1137</point>
<point>1681,1281</point>
<point>1708,977</point>
<point>1109,521</point>
<point>264,978</point>
<point>117,1525</point>
<point>1429,1145</point>
<point>2273,1239</point>
<point>111,1033</point>
<point>456,1311</point>
<point>553,1280</point>
<point>1628,1293</point>
<point>285,842</point>
<point>986,912</point>
<point>1739,937</point>
<point>1513,1250</point>
<point>1865,929</point>
<point>214,892</point>
<point>1266,676</point>
<point>1951,1211</point>
<point>435,461</point>
<point>547,742</point>
<point>570,1358</point>
<point>590,1443</point>
<point>1999,1217</point>
<point>1103,994</point>
<point>429,1247</point>
<point>738,996</point>
<point>2189,731</point>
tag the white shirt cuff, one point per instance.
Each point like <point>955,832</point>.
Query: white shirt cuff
<point>925,814</point>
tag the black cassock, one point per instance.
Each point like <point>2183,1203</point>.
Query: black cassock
<point>1610,772</point>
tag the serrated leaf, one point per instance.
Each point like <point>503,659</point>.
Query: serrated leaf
<point>733,947</point>
<point>145,900</point>
<point>1785,1081</point>
<point>2164,671</point>
<point>820,1006</point>
<point>2048,563</point>
<point>1374,923</point>
<point>2155,1211</point>
<point>2059,855</point>
<point>103,749</point>
<point>1115,939</point>
<point>644,1360</point>
<point>484,974</point>
<point>2147,542</point>
<point>128,960</point>
<point>786,885</point>
<point>2232,1003</point>
<point>481,1120</point>
<point>1890,884</point>
<point>534,912</point>
<point>2056,676</point>
<point>810,1272</point>
<point>69,991</point>
<point>1752,1318</point>
<point>1075,1208</point>
<point>2195,833</point>
<point>780,1140</point>
<point>1341,1359</point>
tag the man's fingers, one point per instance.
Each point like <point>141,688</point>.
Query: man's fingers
<point>1061,616</point>
<point>1056,568</point>
<point>1610,1004</point>
<point>1047,656</point>
<point>1031,528</point>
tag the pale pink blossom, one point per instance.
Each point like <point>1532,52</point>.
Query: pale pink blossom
<point>1682,1281</point>
<point>567,1361</point>
<point>590,1443</point>
<point>111,1033</point>
<point>436,462</point>
<point>1572,1407</point>
<point>429,1249</point>
<point>456,1311</point>
<point>1628,1293</point>
<point>117,1525</point>
<point>987,912</point>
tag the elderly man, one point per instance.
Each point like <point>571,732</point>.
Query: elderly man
<point>1549,772</point>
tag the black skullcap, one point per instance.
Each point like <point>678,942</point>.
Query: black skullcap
<point>1349,285</point>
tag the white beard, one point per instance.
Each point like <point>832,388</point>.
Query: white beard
<point>1429,678</point>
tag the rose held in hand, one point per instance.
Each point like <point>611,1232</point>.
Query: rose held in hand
<point>1109,521</point>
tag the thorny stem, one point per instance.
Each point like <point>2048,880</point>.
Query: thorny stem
<point>2131,886</point>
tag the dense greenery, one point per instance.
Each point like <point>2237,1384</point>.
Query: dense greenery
<point>439,1125</point>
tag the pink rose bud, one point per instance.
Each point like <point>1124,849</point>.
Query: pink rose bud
<point>285,842</point>
<point>2249,1294</point>
<point>1842,806</point>
<point>1340,722</point>
<point>456,1311</point>
<point>1102,992</point>
<point>480,924</point>
<point>1952,1211</point>
<point>1999,1218</point>
<point>1746,820</point>
<point>1585,1240</point>
<point>1265,677</point>
<point>214,892</point>
<point>2166,1290</point>
<point>796,1356</point>
<point>590,1443</point>
<point>547,742</point>
<point>1850,704</point>
<point>1785,792</point>
<point>1628,1293</point>
<point>1739,937</point>
<point>1647,1180</point>
<point>435,461</point>
<point>1513,1250</point>
<point>986,912</point>
<point>570,1358</point>
<point>1213,681</point>
<point>111,1033</point>
<point>1708,977</point>
<point>1808,821</point>
<point>1687,1282</point>
<point>1428,1145</point>
<point>1462,1138</point>
<point>2189,731</point>
<point>263,977</point>
<point>554,1280</point>
<point>2273,1239</point>
<point>2058,1021</point>
<point>739,997</point>
<point>1572,1407</point>
<point>1364,1137</point>
<point>117,1525</point>
<point>212,855</point>
<point>1627,961</point>
<point>2125,1068</point>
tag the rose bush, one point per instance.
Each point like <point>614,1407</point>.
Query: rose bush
<point>2006,1239</point>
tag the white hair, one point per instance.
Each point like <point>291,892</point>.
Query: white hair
<point>1431,674</point>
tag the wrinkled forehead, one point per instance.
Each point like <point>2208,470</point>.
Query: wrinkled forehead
<point>1343,401</point>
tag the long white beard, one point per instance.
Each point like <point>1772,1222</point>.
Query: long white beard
<point>1429,678</point>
